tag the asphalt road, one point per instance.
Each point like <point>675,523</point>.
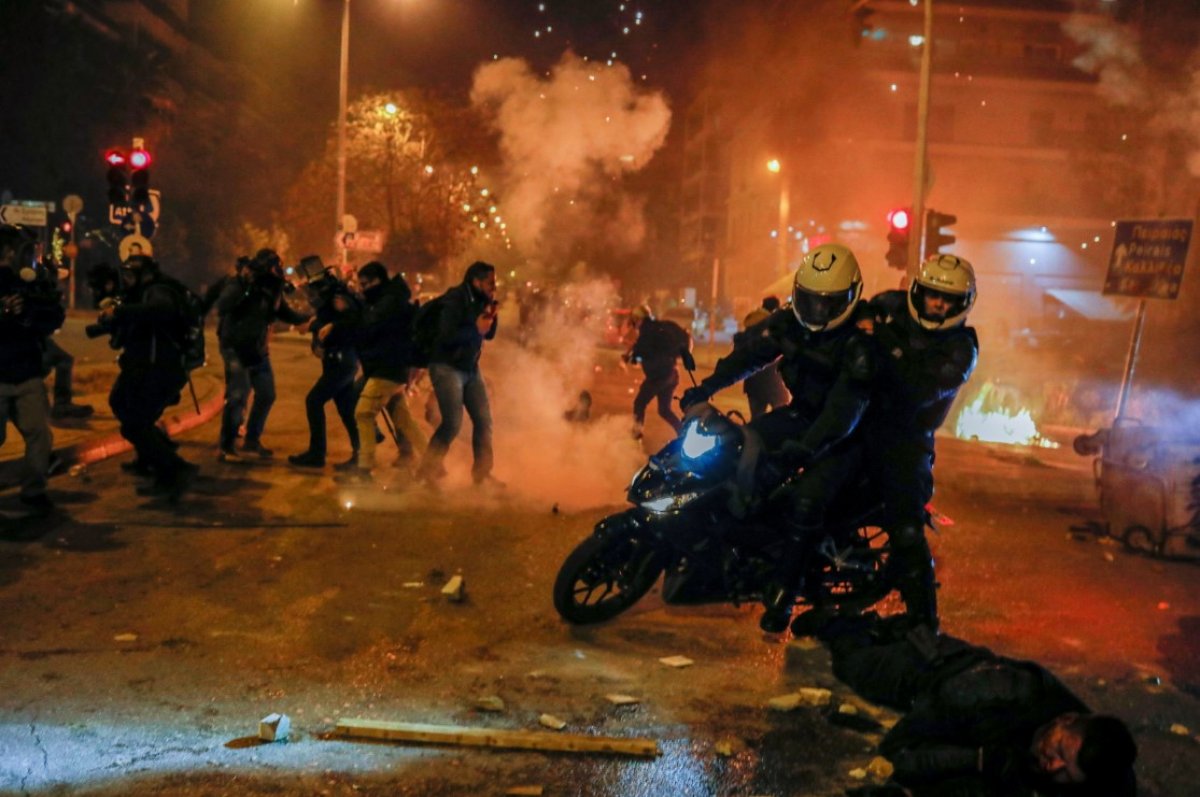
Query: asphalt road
<point>141,643</point>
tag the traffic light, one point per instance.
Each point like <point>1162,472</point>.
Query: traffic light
<point>139,178</point>
<point>118,176</point>
<point>899,226</point>
<point>935,236</point>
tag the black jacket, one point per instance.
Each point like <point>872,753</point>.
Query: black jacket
<point>657,347</point>
<point>338,346</point>
<point>920,370</point>
<point>977,700</point>
<point>21,335</point>
<point>247,309</point>
<point>150,324</point>
<point>459,342</point>
<point>382,333</point>
<point>829,375</point>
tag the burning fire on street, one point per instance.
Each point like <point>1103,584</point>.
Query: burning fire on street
<point>982,420</point>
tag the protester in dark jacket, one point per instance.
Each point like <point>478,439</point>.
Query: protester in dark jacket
<point>334,304</point>
<point>382,336</point>
<point>657,350</point>
<point>248,306</point>
<point>978,724</point>
<point>27,316</point>
<point>149,326</point>
<point>467,318</point>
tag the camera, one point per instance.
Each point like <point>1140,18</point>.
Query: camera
<point>105,325</point>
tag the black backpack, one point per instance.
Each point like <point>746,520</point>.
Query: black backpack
<point>425,331</point>
<point>190,332</point>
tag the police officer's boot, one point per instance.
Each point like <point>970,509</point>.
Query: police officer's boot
<point>779,596</point>
<point>912,563</point>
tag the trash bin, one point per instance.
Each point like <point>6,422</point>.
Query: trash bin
<point>1149,487</point>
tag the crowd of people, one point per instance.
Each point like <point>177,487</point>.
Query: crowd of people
<point>838,385</point>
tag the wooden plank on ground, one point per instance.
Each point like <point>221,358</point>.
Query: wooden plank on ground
<point>495,737</point>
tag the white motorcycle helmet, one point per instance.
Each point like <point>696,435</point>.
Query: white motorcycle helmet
<point>948,277</point>
<point>828,284</point>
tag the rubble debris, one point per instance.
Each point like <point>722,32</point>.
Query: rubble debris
<point>784,702</point>
<point>126,637</point>
<point>413,584</point>
<point>814,695</point>
<point>858,773</point>
<point>880,768</point>
<point>525,791</point>
<point>423,733</point>
<point>723,748</point>
<point>622,700</point>
<point>552,722</point>
<point>274,727</point>
<point>676,661</point>
<point>454,589</point>
<point>1180,730</point>
<point>847,708</point>
<point>489,703</point>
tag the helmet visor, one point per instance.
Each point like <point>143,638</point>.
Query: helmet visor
<point>934,305</point>
<point>818,309</point>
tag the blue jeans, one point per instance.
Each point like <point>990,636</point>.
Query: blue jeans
<point>455,390</point>
<point>239,381</point>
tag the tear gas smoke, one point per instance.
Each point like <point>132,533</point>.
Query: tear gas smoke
<point>540,455</point>
<point>1111,53</point>
<point>567,138</point>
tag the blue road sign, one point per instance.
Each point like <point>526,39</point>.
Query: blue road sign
<point>1148,258</point>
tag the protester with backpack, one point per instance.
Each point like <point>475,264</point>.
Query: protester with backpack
<point>463,317</point>
<point>382,336</point>
<point>248,306</point>
<point>151,326</point>
<point>657,349</point>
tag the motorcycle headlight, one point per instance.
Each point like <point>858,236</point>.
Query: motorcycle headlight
<point>697,443</point>
<point>669,503</point>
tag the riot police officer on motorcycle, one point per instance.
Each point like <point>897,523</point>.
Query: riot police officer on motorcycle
<point>925,354</point>
<point>827,364</point>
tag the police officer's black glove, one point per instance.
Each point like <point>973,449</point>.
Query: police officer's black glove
<point>694,395</point>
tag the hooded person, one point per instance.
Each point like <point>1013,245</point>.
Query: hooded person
<point>382,336</point>
<point>468,316</point>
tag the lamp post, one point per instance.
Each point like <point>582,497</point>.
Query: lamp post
<point>343,80</point>
<point>776,167</point>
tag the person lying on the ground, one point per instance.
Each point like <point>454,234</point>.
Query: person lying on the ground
<point>977,723</point>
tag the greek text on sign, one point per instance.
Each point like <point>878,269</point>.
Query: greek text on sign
<point>362,240</point>
<point>1148,258</point>
<point>23,214</point>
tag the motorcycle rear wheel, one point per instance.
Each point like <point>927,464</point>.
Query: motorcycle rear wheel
<point>603,577</point>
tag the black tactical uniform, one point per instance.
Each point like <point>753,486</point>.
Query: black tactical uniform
<point>920,372</point>
<point>829,376</point>
<point>657,348</point>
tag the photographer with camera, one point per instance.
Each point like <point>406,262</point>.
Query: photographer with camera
<point>149,326</point>
<point>335,308</point>
<point>248,306</point>
<point>27,315</point>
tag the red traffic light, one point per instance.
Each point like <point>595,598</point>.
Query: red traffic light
<point>114,157</point>
<point>898,218</point>
<point>139,159</point>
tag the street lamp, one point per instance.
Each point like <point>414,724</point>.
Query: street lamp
<point>774,166</point>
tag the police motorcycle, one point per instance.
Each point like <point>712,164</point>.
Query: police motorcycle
<point>691,519</point>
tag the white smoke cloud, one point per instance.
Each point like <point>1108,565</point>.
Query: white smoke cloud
<point>1111,52</point>
<point>567,138</point>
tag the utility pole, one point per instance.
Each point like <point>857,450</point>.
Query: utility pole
<point>921,162</point>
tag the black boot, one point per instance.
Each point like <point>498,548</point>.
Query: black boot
<point>912,563</point>
<point>779,596</point>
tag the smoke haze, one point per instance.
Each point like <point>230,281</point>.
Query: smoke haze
<point>567,138</point>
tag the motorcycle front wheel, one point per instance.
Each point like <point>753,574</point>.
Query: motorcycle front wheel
<point>603,577</point>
